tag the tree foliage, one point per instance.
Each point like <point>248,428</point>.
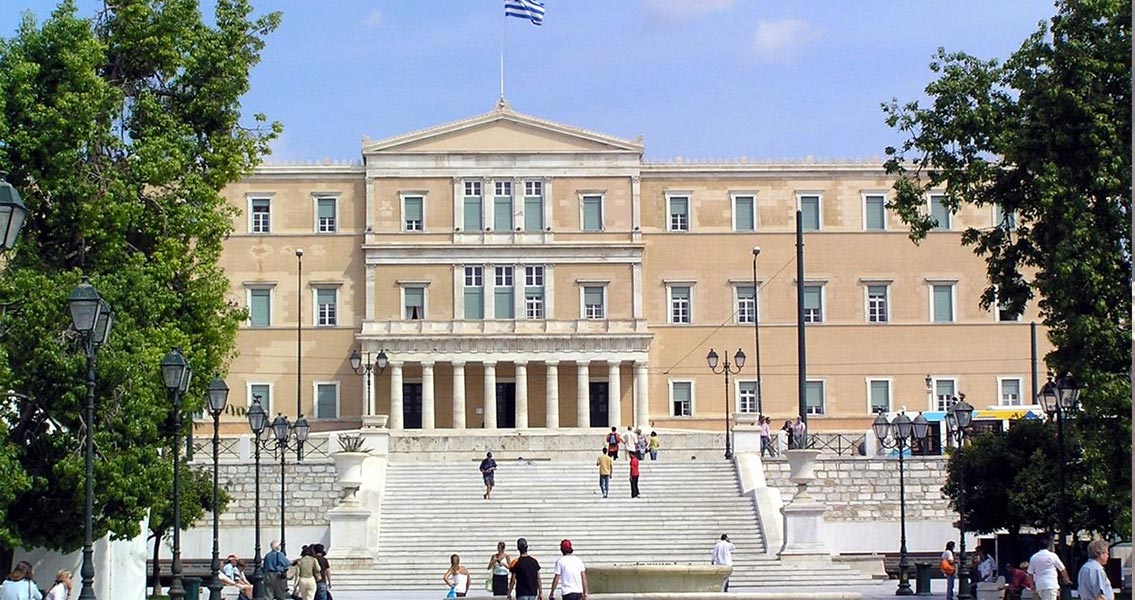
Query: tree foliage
<point>1045,136</point>
<point>119,131</point>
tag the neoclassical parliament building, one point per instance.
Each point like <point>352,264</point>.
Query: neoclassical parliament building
<point>520,273</point>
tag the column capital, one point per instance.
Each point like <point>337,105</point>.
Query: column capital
<point>489,364</point>
<point>520,364</point>
<point>552,363</point>
<point>427,364</point>
<point>583,363</point>
<point>614,362</point>
<point>457,364</point>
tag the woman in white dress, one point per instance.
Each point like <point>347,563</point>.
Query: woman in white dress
<point>457,577</point>
<point>62,588</point>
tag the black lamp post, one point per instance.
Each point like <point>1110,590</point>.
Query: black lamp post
<point>900,434</point>
<point>288,437</point>
<point>366,369</point>
<point>958,421</point>
<point>757,330</point>
<point>176,374</point>
<point>739,362</point>
<point>218,399</point>
<point>257,422</point>
<point>12,213</point>
<point>1058,397</point>
<point>92,318</point>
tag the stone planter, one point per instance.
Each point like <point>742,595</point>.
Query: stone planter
<point>349,472</point>
<point>802,465</point>
<point>375,421</point>
<point>644,579</point>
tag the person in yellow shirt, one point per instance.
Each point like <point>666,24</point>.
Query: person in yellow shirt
<point>653,444</point>
<point>605,465</point>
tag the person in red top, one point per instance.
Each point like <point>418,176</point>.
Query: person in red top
<point>634,475</point>
<point>1018,581</point>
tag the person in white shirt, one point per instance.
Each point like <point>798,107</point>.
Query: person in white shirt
<point>986,567</point>
<point>1092,580</point>
<point>62,588</point>
<point>722,554</point>
<point>629,441</point>
<point>1044,566</point>
<point>569,574</point>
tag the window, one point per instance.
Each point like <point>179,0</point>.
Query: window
<point>680,303</point>
<point>813,303</point>
<point>413,213</point>
<point>944,392</point>
<point>879,395</point>
<point>502,294</point>
<point>262,391</point>
<point>327,401</point>
<point>874,212</point>
<point>593,302</point>
<point>475,292</point>
<point>942,303</point>
<point>810,212</point>
<point>472,213</point>
<point>260,307</point>
<point>261,209</point>
<point>592,213</point>
<point>940,215</point>
<point>746,396</point>
<point>325,306</point>
<point>533,205</point>
<point>877,310</point>
<point>325,215</point>
<point>744,213</point>
<point>681,398</point>
<point>414,303</point>
<point>679,213</point>
<point>814,397</point>
<point>746,304</point>
<point>1004,315</point>
<point>1004,220</point>
<point>534,292</point>
<point>502,205</point>
<point>1010,391</point>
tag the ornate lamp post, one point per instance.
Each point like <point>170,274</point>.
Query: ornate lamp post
<point>176,374</point>
<point>257,422</point>
<point>288,437</point>
<point>218,399</point>
<point>1058,397</point>
<point>757,329</point>
<point>958,420</point>
<point>12,213</point>
<point>899,434</point>
<point>366,369</point>
<point>739,362</point>
<point>92,318</point>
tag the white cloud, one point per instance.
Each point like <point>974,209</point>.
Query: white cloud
<point>680,10</point>
<point>373,20</point>
<point>780,40</point>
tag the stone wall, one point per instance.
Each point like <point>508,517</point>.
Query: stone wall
<point>863,489</point>
<point>311,492</point>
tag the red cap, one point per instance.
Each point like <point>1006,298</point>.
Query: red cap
<point>565,546</point>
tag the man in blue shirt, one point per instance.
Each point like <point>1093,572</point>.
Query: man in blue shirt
<point>1092,580</point>
<point>276,565</point>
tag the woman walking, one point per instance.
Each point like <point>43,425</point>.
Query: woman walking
<point>20,584</point>
<point>456,577</point>
<point>308,572</point>
<point>498,564</point>
<point>62,588</point>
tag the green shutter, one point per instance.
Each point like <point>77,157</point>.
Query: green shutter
<point>744,217</point>
<point>473,214</point>
<point>593,295</point>
<point>592,213</point>
<point>814,397</point>
<point>939,213</point>
<point>812,297</point>
<point>533,214</point>
<point>264,392</point>
<point>943,304</point>
<point>876,213</point>
<point>414,208</point>
<point>415,297</point>
<point>261,308</point>
<point>325,403</point>
<point>503,307</point>
<point>502,214</point>
<point>810,212</point>
<point>880,395</point>
<point>474,303</point>
<point>326,208</point>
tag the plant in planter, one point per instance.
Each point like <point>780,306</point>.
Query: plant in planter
<point>352,443</point>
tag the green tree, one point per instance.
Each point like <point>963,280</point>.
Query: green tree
<point>196,502</point>
<point>1046,137</point>
<point>119,131</point>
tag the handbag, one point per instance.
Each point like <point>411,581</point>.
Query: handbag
<point>947,567</point>
<point>489,583</point>
<point>452,592</point>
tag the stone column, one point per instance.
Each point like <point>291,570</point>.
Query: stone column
<point>522,395</point>
<point>641,404</point>
<point>458,395</point>
<point>427,395</point>
<point>582,393</point>
<point>490,395</point>
<point>552,395</point>
<point>395,395</point>
<point>614,395</point>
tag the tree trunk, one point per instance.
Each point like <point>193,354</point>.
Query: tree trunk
<point>156,574</point>
<point>7,555</point>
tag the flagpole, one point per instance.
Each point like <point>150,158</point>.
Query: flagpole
<point>502,55</point>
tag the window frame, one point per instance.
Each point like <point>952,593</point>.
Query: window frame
<point>316,197</point>
<point>823,302</point>
<point>864,195</point>
<point>670,385</point>
<point>890,393</point>
<point>509,272</point>
<point>1001,379</point>
<point>934,283</point>
<point>583,286</point>
<point>997,310</point>
<point>671,197</point>
<point>733,197</point>
<point>474,271</point>
<point>525,198</point>
<point>315,289</point>
<point>543,306</point>
<point>271,288</point>
<point>737,395</point>
<point>737,302</point>
<point>933,399</point>
<point>511,197</point>
<point>403,309</point>
<point>1000,223</point>
<point>823,397</point>
<point>800,195</point>
<point>250,200</point>
<point>315,400</point>
<point>248,396</point>
<point>479,184</point>
<point>602,198</point>
<point>421,196</point>
<point>886,285</point>
<point>949,226</point>
<point>670,285</point>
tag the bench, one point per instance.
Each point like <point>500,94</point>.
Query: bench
<point>201,568</point>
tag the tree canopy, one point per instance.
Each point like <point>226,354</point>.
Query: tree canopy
<point>1046,138</point>
<point>119,131</point>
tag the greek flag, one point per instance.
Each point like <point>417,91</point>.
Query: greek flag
<point>525,9</point>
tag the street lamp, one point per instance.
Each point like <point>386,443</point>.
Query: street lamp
<point>739,362</point>
<point>900,434</point>
<point>1058,397</point>
<point>757,329</point>
<point>365,369</point>
<point>958,421</point>
<point>287,436</point>
<point>92,318</point>
<point>12,213</point>
<point>299,338</point>
<point>257,422</point>
<point>176,375</point>
<point>218,399</point>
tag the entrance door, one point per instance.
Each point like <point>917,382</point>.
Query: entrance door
<point>412,405</point>
<point>598,400</point>
<point>506,405</point>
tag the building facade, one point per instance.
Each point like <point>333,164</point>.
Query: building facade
<point>555,273</point>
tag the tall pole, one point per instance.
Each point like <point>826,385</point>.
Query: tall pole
<point>299,349</point>
<point>963,574</point>
<point>257,562</point>
<point>728,442</point>
<point>176,591</point>
<point>757,330</point>
<point>283,517</point>
<point>88,569</point>
<point>1033,359</point>
<point>904,561</point>
<point>1061,548</point>
<point>215,581</point>
<point>801,360</point>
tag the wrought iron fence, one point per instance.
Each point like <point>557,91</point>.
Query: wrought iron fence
<point>839,443</point>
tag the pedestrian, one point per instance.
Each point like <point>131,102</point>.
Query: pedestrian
<point>629,441</point>
<point>613,443</point>
<point>790,433</point>
<point>722,554</point>
<point>307,574</point>
<point>986,568</point>
<point>1092,580</point>
<point>456,577</point>
<point>498,564</point>
<point>640,443</point>
<point>62,588</point>
<point>949,567</point>
<point>606,465</point>
<point>525,580</point>
<point>276,573</point>
<point>653,445</point>
<point>634,475</point>
<point>488,472</point>
<point>798,433</point>
<point>323,584</point>
<point>569,574</point>
<point>766,437</point>
<point>1018,581</point>
<point>1044,566</point>
<point>232,574</point>
<point>20,584</point>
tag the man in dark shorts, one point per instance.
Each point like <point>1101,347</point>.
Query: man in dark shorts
<point>525,575</point>
<point>488,468</point>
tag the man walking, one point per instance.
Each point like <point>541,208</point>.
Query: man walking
<point>526,574</point>
<point>488,471</point>
<point>569,574</point>
<point>1044,566</point>
<point>722,554</point>
<point>629,441</point>
<point>634,475</point>
<point>323,584</point>
<point>605,465</point>
<point>275,573</point>
<point>1093,581</point>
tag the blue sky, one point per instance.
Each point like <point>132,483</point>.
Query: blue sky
<point>700,79</point>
